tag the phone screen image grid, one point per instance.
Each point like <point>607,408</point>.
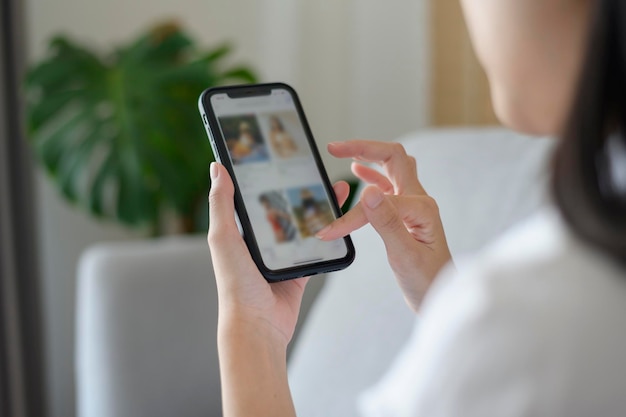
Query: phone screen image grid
<point>281,186</point>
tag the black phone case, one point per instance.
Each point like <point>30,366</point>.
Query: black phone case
<point>219,147</point>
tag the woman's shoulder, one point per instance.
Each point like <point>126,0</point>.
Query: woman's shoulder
<point>532,323</point>
<point>542,253</point>
<point>544,309</point>
<point>538,274</point>
<point>535,262</point>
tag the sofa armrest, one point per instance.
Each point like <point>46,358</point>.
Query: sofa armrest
<point>146,326</point>
<point>146,323</point>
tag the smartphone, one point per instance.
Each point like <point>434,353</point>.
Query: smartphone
<point>282,193</point>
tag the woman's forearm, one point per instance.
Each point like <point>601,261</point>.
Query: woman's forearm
<point>253,369</point>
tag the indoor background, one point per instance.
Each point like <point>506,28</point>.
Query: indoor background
<point>363,68</point>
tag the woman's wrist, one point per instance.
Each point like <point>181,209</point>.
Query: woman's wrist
<point>253,367</point>
<point>241,326</point>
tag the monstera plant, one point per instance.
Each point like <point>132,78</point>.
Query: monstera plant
<point>119,133</point>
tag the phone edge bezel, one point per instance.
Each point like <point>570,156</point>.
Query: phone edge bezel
<point>213,130</point>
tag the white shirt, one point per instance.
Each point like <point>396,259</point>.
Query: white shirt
<point>533,326</point>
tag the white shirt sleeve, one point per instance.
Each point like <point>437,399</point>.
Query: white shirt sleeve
<point>472,354</point>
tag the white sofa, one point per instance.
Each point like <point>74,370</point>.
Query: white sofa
<point>146,314</point>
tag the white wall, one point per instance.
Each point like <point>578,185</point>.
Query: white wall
<point>360,67</point>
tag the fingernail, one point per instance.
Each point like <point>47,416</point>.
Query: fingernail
<point>373,198</point>
<point>213,171</point>
<point>333,144</point>
<point>323,232</point>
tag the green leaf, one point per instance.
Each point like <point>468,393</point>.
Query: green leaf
<point>217,53</point>
<point>46,109</point>
<point>73,165</point>
<point>119,130</point>
<point>52,146</point>
<point>106,171</point>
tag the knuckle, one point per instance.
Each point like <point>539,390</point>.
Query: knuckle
<point>214,197</point>
<point>430,204</point>
<point>391,222</point>
<point>219,237</point>
<point>385,186</point>
<point>213,236</point>
<point>398,150</point>
<point>211,239</point>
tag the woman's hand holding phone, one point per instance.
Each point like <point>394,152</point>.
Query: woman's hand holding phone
<point>256,319</point>
<point>244,294</point>
<point>400,210</point>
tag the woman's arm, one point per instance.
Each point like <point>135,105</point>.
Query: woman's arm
<point>253,370</point>
<point>256,319</point>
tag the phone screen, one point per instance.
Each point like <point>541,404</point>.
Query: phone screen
<point>282,189</point>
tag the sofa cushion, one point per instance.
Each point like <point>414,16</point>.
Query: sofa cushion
<point>484,181</point>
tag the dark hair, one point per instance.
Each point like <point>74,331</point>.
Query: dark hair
<point>588,193</point>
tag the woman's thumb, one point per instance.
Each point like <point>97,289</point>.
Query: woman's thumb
<point>221,203</point>
<point>384,217</point>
